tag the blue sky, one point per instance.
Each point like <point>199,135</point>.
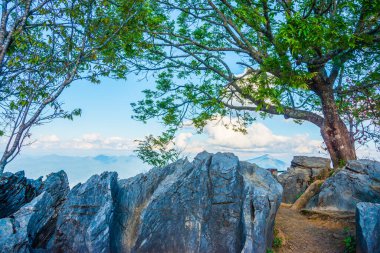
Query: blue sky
<point>106,127</point>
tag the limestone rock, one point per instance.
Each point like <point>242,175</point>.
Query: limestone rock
<point>303,172</point>
<point>15,191</point>
<point>83,223</point>
<point>133,196</point>
<point>367,227</point>
<point>214,204</point>
<point>310,162</point>
<point>358,181</point>
<point>31,227</point>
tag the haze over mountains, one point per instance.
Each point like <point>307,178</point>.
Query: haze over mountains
<point>80,168</point>
<point>269,162</point>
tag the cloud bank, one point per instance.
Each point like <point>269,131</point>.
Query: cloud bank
<point>258,139</point>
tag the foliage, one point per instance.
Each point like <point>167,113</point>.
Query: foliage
<point>47,45</point>
<point>237,59</point>
<point>277,242</point>
<point>350,244</point>
<point>158,151</point>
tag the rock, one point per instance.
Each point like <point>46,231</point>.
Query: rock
<point>310,192</point>
<point>303,171</point>
<point>42,225</point>
<point>310,162</point>
<point>83,223</point>
<point>358,181</point>
<point>132,198</point>
<point>263,196</point>
<point>31,227</point>
<point>15,191</point>
<point>367,228</point>
<point>214,204</point>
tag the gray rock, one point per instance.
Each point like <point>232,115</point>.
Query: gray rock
<point>15,191</point>
<point>131,199</point>
<point>214,204</point>
<point>30,228</point>
<point>303,171</point>
<point>42,224</point>
<point>84,221</point>
<point>367,228</point>
<point>358,181</point>
<point>263,196</point>
<point>310,162</point>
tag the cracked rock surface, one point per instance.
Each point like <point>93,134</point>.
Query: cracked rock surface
<point>31,227</point>
<point>302,172</point>
<point>213,204</point>
<point>358,181</point>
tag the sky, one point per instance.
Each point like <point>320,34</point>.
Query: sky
<point>106,127</point>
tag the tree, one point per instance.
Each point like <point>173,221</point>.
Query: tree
<point>46,45</point>
<point>309,60</point>
<point>159,151</point>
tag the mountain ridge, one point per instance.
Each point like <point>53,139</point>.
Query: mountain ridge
<point>267,161</point>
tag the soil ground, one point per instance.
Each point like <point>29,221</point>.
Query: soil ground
<point>313,232</point>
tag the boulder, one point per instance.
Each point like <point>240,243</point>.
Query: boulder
<point>302,172</point>
<point>133,196</point>
<point>30,228</point>
<point>358,181</point>
<point>16,190</point>
<point>367,227</point>
<point>310,162</point>
<point>83,223</point>
<point>214,204</point>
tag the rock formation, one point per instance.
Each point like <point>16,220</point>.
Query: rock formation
<point>302,172</point>
<point>84,221</point>
<point>15,191</point>
<point>213,204</point>
<point>367,228</point>
<point>32,226</point>
<point>358,181</point>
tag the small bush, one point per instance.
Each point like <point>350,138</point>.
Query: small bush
<point>270,251</point>
<point>277,242</point>
<point>342,163</point>
<point>350,244</point>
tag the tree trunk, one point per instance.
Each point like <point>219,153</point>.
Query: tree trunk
<point>334,132</point>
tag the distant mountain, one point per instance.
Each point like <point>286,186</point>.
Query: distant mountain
<point>78,168</point>
<point>106,159</point>
<point>269,162</point>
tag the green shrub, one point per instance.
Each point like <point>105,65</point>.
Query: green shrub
<point>350,244</point>
<point>277,242</point>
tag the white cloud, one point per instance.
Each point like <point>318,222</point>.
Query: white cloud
<point>258,135</point>
<point>258,139</point>
<point>89,141</point>
<point>188,144</point>
<point>50,138</point>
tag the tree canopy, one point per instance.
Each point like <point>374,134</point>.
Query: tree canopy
<point>46,45</point>
<point>309,60</point>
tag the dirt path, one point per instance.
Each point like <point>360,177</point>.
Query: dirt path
<point>311,234</point>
